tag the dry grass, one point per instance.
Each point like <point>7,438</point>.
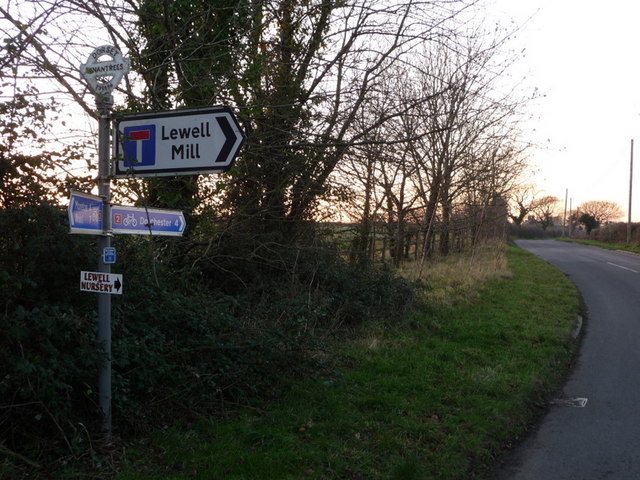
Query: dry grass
<point>458,277</point>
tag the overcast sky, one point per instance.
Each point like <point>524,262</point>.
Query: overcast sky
<point>584,56</point>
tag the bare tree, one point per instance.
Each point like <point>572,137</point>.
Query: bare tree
<point>298,71</point>
<point>545,209</point>
<point>455,148</point>
<point>466,129</point>
<point>522,203</point>
<point>603,211</point>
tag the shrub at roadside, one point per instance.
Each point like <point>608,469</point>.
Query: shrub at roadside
<point>183,344</point>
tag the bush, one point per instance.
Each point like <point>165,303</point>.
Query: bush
<point>49,357</point>
<point>196,330</point>
<point>186,347</point>
<point>40,262</point>
<point>616,233</point>
<point>535,231</point>
<point>48,350</point>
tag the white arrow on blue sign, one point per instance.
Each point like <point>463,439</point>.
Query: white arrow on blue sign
<point>147,221</point>
<point>85,213</point>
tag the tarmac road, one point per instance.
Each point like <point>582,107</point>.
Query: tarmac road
<point>592,432</point>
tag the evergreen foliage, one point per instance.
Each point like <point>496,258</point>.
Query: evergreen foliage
<point>589,221</point>
<point>196,333</point>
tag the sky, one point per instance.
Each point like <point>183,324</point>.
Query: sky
<point>584,58</point>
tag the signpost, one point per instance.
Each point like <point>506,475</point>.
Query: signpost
<point>179,142</point>
<point>109,283</point>
<point>103,71</point>
<point>147,221</point>
<point>86,213</point>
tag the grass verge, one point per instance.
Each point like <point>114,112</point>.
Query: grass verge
<point>438,398</point>
<point>607,246</point>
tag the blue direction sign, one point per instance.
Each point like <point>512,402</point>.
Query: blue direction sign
<point>147,221</point>
<point>85,213</point>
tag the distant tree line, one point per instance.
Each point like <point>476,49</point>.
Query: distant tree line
<point>527,208</point>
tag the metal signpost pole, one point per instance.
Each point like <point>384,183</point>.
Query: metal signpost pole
<point>202,140</point>
<point>105,105</point>
<point>103,71</point>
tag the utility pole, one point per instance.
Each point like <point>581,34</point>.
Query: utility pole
<point>630,194</point>
<point>570,219</point>
<point>564,217</point>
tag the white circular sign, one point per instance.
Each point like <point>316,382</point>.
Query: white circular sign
<point>103,76</point>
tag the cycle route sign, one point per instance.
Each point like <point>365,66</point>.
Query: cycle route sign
<point>86,216</point>
<point>147,221</point>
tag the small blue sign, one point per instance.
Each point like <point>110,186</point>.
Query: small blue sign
<point>109,255</point>
<point>85,213</point>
